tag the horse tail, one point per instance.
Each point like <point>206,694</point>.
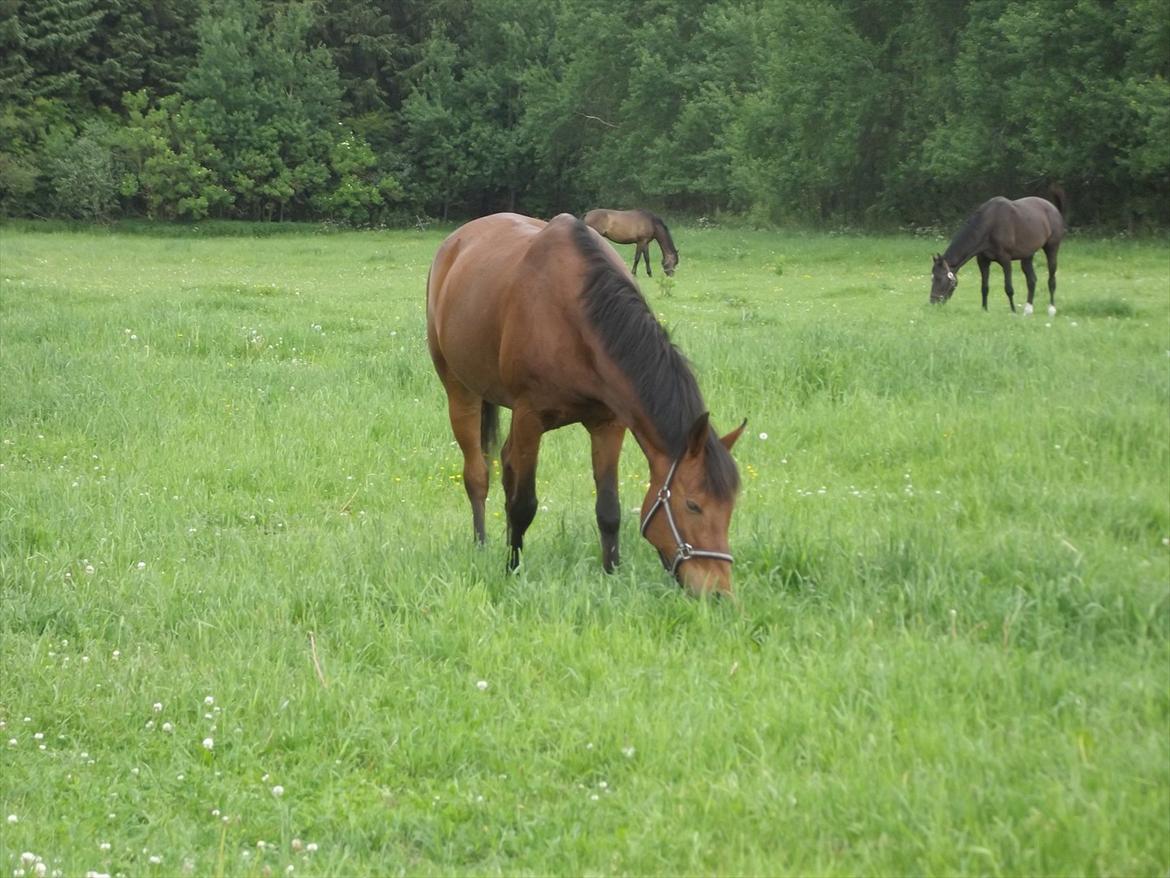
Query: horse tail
<point>1059,198</point>
<point>489,427</point>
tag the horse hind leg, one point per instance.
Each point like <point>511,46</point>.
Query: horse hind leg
<point>1030,276</point>
<point>466,412</point>
<point>518,463</point>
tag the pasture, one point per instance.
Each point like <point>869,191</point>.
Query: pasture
<point>244,629</point>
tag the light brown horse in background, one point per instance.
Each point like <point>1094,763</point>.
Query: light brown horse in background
<point>636,227</point>
<point>543,318</point>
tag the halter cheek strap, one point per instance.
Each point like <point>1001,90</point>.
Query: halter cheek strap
<point>684,551</point>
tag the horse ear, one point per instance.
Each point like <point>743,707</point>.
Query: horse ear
<point>731,437</point>
<point>697,437</point>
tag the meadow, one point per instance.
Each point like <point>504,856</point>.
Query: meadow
<point>244,629</point>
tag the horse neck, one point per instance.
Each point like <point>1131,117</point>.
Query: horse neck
<point>662,236</point>
<point>658,457</point>
<point>969,241</point>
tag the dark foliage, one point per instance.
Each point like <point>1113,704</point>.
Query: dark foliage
<point>367,111</point>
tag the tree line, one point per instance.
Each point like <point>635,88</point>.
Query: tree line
<point>369,111</point>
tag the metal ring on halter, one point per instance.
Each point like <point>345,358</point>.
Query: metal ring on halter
<point>684,551</point>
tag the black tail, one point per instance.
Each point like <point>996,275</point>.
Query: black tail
<point>1059,198</point>
<point>489,427</point>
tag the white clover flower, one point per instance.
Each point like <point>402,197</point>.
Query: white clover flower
<point>628,752</point>
<point>141,565</point>
<point>209,700</point>
<point>278,791</point>
<point>155,860</point>
<point>28,858</point>
<point>481,685</point>
<point>168,728</point>
<point>157,707</point>
<point>763,435</point>
<point>208,744</point>
<point>104,846</point>
<point>311,847</point>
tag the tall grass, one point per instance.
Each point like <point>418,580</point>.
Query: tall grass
<point>233,514</point>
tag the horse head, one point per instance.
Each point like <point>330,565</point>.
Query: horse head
<point>687,512</point>
<point>942,281</point>
<point>669,262</point>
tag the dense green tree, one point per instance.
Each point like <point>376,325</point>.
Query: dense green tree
<point>806,110</point>
<point>268,102</point>
<point>1047,90</point>
<point>805,139</point>
<point>168,160</point>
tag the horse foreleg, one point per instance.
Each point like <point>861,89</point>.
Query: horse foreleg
<point>519,470</point>
<point>637,256</point>
<point>984,276</point>
<point>464,409</point>
<point>644,248</point>
<point>1006,265</point>
<point>606,439</point>
<point>1030,276</point>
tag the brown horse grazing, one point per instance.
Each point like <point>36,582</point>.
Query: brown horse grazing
<point>1001,231</point>
<point>543,318</point>
<point>636,227</point>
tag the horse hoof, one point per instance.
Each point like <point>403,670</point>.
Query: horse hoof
<point>1028,310</point>
<point>1051,310</point>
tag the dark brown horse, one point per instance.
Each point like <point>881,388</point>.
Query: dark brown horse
<point>1002,231</point>
<point>636,227</point>
<point>543,318</point>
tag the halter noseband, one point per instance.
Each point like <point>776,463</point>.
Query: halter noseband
<point>684,551</point>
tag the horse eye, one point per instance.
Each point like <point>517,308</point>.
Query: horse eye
<point>692,506</point>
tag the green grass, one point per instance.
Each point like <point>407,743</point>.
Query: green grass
<point>227,473</point>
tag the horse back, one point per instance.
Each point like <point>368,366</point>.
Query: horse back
<point>1023,226</point>
<point>622,226</point>
<point>503,307</point>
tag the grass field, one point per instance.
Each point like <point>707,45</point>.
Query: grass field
<point>244,631</point>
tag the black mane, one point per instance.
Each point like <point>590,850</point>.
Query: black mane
<point>661,232</point>
<point>967,240</point>
<point>641,348</point>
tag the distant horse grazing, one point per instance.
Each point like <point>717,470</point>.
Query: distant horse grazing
<point>543,318</point>
<point>1001,231</point>
<point>636,227</point>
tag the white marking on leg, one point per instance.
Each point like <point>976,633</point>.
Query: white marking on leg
<point>1028,309</point>
<point>1051,310</point>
